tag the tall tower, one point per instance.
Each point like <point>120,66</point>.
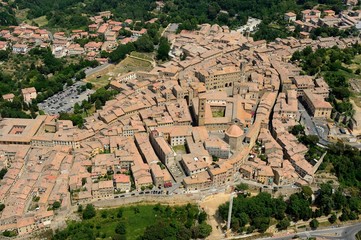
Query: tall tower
<point>201,111</point>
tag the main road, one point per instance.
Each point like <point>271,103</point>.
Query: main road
<point>344,233</point>
<point>99,68</point>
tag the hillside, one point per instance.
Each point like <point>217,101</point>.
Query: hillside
<point>71,14</point>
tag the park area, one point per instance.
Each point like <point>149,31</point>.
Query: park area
<point>146,222</point>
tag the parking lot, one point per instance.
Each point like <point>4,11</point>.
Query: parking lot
<point>64,101</point>
<point>137,193</point>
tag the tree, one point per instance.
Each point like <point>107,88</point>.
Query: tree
<point>120,213</point>
<point>80,208</point>
<point>98,104</point>
<point>2,206</point>
<point>309,140</point>
<point>332,219</point>
<point>242,187</point>
<point>144,44</point>
<point>77,108</point>
<point>314,224</point>
<point>307,191</point>
<point>69,82</point>
<point>104,214</point>
<point>235,224</point>
<point>3,172</point>
<point>80,75</point>
<point>298,129</point>
<point>120,52</point>
<point>202,217</point>
<point>4,55</point>
<point>89,85</point>
<point>204,230</point>
<point>121,228</point>
<point>56,205</point>
<point>283,224</point>
<point>89,212</point>
<point>163,49</point>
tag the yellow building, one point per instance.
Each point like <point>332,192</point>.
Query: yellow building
<point>219,78</point>
<point>318,107</point>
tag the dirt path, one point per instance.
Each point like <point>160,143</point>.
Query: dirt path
<point>210,205</point>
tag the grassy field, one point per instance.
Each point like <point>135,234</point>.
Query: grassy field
<point>41,21</point>
<point>356,63</point>
<point>125,66</point>
<point>21,14</point>
<point>131,222</point>
<point>219,113</point>
<point>136,222</point>
<point>146,56</point>
<point>180,149</point>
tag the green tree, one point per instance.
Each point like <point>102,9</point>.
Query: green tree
<point>4,55</point>
<point>144,44</point>
<point>204,230</point>
<point>283,224</point>
<point>69,82</point>
<point>56,205</point>
<point>242,187</point>
<point>3,172</point>
<point>89,85</point>
<point>120,213</point>
<point>202,216</point>
<point>314,224</point>
<point>80,208</point>
<point>120,228</point>
<point>307,191</point>
<point>104,214</point>
<point>332,219</point>
<point>2,206</point>
<point>163,49</point>
<point>89,212</point>
<point>298,129</point>
<point>98,104</point>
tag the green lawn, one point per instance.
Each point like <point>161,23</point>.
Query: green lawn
<point>146,56</point>
<point>135,222</point>
<point>156,221</point>
<point>219,113</point>
<point>41,21</point>
<point>180,149</point>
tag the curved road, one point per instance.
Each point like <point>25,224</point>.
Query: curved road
<point>344,233</point>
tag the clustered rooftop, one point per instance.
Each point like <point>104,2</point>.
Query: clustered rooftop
<point>231,99</point>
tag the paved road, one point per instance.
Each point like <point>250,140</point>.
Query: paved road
<point>345,233</point>
<point>91,71</point>
<point>314,128</point>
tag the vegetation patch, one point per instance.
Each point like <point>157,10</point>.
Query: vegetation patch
<point>180,149</point>
<point>138,222</point>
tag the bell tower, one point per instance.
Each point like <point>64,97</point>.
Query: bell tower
<point>201,111</point>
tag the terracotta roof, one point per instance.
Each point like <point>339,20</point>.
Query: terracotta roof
<point>234,131</point>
